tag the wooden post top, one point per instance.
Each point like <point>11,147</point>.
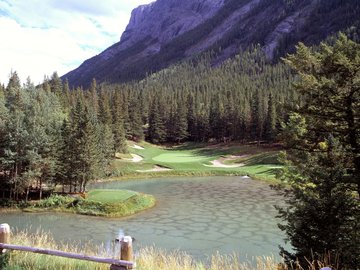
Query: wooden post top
<point>4,235</point>
<point>126,249</point>
<point>4,228</point>
<point>127,239</point>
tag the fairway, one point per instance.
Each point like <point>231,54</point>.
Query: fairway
<point>179,157</point>
<point>198,159</point>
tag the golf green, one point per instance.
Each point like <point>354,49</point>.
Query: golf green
<point>179,157</point>
<point>110,196</point>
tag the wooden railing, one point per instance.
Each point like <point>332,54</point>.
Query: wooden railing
<point>125,261</point>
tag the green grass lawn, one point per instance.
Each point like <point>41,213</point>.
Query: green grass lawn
<point>109,196</point>
<point>190,159</point>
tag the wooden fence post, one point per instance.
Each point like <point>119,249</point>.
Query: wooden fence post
<point>4,235</point>
<point>127,249</point>
<point>126,252</point>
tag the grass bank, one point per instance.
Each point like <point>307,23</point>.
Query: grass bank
<point>191,159</point>
<point>146,259</point>
<point>105,203</point>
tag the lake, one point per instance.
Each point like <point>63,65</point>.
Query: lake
<point>198,215</point>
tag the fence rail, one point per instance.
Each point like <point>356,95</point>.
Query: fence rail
<point>125,262</point>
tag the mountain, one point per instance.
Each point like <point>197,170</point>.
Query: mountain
<point>166,31</point>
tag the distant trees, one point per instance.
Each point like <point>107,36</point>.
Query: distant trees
<point>270,121</point>
<point>53,135</point>
<point>118,123</point>
<point>156,130</point>
<point>239,100</point>
<point>323,212</point>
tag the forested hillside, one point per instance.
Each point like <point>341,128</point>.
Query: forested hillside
<point>240,100</point>
<point>57,136</point>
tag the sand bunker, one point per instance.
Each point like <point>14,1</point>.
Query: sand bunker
<point>156,169</point>
<point>219,163</point>
<point>135,146</point>
<point>135,158</point>
<point>276,167</point>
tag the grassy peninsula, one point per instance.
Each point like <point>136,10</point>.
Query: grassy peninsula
<point>105,203</point>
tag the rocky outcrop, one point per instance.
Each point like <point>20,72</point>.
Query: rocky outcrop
<point>220,30</point>
<point>150,27</point>
<point>163,20</point>
<point>166,31</point>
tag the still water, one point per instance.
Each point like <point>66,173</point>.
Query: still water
<point>198,215</point>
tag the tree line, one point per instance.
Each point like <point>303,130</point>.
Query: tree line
<point>51,134</point>
<point>240,100</point>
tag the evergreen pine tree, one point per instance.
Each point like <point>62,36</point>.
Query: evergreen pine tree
<point>216,118</point>
<point>191,118</point>
<point>255,122</point>
<point>181,124</point>
<point>135,121</point>
<point>156,130</point>
<point>323,175</point>
<point>118,128</point>
<point>270,122</point>
<point>94,102</point>
<point>104,112</point>
<point>55,84</point>
<point>64,174</point>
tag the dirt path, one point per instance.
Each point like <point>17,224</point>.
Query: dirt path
<point>135,158</point>
<point>156,169</point>
<point>219,163</point>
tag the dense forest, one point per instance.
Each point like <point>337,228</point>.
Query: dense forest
<point>53,135</point>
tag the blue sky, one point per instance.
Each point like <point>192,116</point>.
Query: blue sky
<point>39,37</point>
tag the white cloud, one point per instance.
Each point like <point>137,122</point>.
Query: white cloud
<point>42,36</point>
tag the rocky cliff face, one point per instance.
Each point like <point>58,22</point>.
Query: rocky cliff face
<point>165,19</point>
<point>150,27</point>
<point>167,31</point>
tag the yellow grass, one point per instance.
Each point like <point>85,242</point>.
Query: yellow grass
<point>148,258</point>
<point>31,261</point>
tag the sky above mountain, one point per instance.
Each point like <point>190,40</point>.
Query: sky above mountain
<point>39,37</point>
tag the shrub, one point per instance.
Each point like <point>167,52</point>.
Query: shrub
<point>55,201</point>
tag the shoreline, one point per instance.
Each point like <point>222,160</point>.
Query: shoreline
<point>132,208</point>
<point>173,173</point>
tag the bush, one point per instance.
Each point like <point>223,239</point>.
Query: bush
<point>4,260</point>
<point>7,203</point>
<point>55,201</point>
<point>92,208</point>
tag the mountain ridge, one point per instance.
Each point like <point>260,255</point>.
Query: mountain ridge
<point>166,31</point>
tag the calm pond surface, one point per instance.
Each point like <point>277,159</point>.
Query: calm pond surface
<point>198,215</point>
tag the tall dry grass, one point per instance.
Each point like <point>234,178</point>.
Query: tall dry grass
<point>148,258</point>
<point>152,258</point>
<point>30,261</point>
